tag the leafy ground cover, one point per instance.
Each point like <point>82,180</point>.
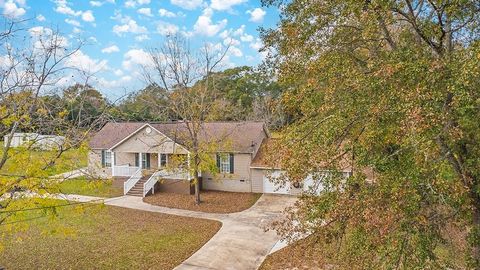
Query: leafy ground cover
<point>103,237</point>
<point>212,201</point>
<point>309,253</point>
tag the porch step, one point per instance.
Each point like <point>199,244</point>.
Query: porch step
<point>137,190</point>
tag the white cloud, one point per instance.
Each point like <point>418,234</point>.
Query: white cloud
<point>187,4</point>
<point>40,18</point>
<point>205,26</point>
<point>142,37</point>
<point>235,51</point>
<point>72,22</point>
<point>224,34</point>
<point>166,13</point>
<point>77,30</point>
<point>256,15</point>
<point>240,31</point>
<point>225,4</point>
<point>257,45</point>
<point>11,10</point>
<point>145,11</point>
<point>88,16</point>
<point>111,49</point>
<point>42,34</point>
<point>246,38</point>
<point>118,72</point>
<point>96,3</point>
<point>38,31</point>
<point>231,41</point>
<point>136,57</point>
<point>104,83</point>
<point>63,8</point>
<point>134,3</point>
<point>129,26</point>
<point>164,28</point>
<point>83,62</point>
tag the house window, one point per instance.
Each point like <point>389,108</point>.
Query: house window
<point>163,160</point>
<point>225,163</point>
<point>106,158</point>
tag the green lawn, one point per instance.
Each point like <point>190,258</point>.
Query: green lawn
<point>23,161</point>
<point>84,186</point>
<point>105,238</point>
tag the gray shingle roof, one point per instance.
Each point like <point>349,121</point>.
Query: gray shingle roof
<point>229,136</point>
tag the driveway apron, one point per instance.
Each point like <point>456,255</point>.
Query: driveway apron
<point>241,243</point>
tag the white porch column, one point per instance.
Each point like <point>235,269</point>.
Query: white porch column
<point>140,160</point>
<point>159,160</point>
<point>113,162</point>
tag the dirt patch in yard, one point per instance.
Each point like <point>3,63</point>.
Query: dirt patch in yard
<point>212,201</point>
<point>106,238</point>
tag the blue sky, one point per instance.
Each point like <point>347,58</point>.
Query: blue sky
<point>119,32</point>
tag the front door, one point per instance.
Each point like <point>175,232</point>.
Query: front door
<point>145,160</point>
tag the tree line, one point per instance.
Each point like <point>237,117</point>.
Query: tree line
<point>243,93</point>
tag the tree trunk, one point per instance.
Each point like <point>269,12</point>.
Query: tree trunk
<point>197,189</point>
<point>197,181</point>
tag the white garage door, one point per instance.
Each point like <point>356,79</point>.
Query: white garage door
<point>270,187</point>
<point>313,187</point>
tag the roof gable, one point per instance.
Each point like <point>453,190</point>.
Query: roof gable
<point>242,137</point>
<point>112,133</point>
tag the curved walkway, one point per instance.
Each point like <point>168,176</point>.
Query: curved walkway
<point>241,243</point>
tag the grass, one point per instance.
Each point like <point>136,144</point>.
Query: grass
<point>105,238</point>
<point>84,186</point>
<point>212,201</point>
<point>24,161</point>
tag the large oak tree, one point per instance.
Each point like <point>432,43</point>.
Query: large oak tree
<point>393,86</point>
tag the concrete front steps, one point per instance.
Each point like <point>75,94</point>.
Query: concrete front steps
<point>137,190</point>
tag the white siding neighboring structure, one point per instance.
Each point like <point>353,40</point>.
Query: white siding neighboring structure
<point>43,142</point>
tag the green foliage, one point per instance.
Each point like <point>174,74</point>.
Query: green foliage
<point>394,96</point>
<point>89,187</point>
<point>246,93</point>
<point>148,104</point>
<point>31,163</point>
<point>84,104</point>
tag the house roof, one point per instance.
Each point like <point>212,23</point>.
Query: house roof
<point>261,160</point>
<point>230,136</point>
<point>113,133</point>
<point>268,157</point>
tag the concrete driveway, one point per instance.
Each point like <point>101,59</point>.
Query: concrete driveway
<point>241,243</point>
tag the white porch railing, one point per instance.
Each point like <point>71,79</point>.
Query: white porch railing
<point>150,183</point>
<point>124,170</point>
<point>130,183</point>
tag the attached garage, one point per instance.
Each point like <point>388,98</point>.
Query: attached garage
<point>270,187</point>
<point>262,171</point>
<point>263,182</point>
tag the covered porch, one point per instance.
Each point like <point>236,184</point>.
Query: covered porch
<point>147,156</point>
<point>141,173</point>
